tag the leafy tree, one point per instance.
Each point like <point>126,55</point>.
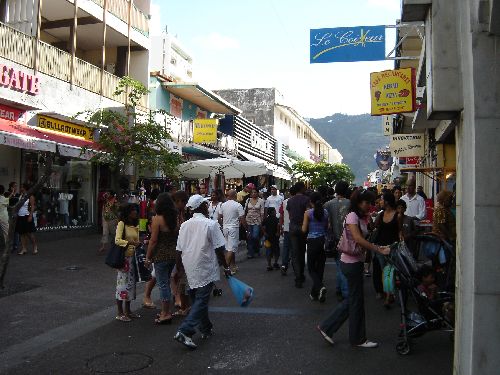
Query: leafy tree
<point>131,138</point>
<point>322,174</point>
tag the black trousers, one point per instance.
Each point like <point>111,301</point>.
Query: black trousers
<point>353,307</point>
<point>316,258</point>
<point>377,275</point>
<point>298,250</point>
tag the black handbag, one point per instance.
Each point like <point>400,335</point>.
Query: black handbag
<point>116,255</point>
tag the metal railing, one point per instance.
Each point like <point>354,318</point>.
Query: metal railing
<point>87,76</point>
<point>16,46</point>
<point>110,82</point>
<point>138,20</point>
<point>54,61</point>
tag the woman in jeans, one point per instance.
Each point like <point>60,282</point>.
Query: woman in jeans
<point>254,210</point>
<point>161,251</point>
<point>315,225</point>
<point>355,230</point>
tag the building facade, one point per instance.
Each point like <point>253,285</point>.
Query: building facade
<point>170,58</point>
<point>265,108</point>
<point>60,58</point>
<point>457,60</point>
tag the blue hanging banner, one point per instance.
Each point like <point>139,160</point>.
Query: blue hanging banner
<point>347,44</point>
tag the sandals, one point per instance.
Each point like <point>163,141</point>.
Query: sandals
<point>22,252</point>
<point>160,321</point>
<point>148,305</point>
<point>123,318</point>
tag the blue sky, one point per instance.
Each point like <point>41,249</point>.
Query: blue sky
<point>265,43</point>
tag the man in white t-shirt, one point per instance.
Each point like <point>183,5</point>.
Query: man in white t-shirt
<point>274,200</point>
<point>199,244</point>
<point>231,215</point>
<point>415,204</point>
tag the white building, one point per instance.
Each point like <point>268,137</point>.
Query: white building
<point>169,58</point>
<point>266,108</point>
<point>59,58</point>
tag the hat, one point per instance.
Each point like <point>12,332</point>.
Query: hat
<point>195,201</point>
<point>250,186</point>
<point>274,187</point>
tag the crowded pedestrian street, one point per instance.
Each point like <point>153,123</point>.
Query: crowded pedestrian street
<point>66,326</point>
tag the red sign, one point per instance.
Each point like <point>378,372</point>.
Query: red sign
<point>18,80</point>
<point>12,114</point>
<point>410,160</point>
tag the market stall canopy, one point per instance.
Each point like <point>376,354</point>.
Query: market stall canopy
<point>228,167</point>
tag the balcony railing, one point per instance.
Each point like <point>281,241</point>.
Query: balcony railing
<point>19,47</point>
<point>119,8</point>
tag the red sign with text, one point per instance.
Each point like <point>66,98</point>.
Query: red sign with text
<point>18,80</point>
<point>12,114</point>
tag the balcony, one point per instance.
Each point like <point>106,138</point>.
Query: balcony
<point>138,20</point>
<point>21,48</point>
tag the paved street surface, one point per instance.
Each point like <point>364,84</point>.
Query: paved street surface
<point>65,325</point>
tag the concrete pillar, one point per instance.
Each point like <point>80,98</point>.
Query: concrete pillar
<point>477,341</point>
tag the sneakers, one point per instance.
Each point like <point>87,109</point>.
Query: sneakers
<point>322,295</point>
<point>313,298</point>
<point>283,270</point>
<point>185,340</point>
<point>368,344</point>
<point>325,336</point>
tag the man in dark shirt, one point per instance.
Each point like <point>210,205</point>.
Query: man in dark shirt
<point>296,207</point>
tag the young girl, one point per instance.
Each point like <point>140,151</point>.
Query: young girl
<point>271,229</point>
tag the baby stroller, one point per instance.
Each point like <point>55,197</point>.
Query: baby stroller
<point>441,254</point>
<point>429,315</point>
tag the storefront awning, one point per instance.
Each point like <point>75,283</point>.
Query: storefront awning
<point>203,98</point>
<point>272,169</point>
<point>31,138</point>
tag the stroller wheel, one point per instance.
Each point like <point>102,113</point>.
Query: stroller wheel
<point>403,348</point>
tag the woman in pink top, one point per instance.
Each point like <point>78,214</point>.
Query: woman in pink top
<point>355,230</point>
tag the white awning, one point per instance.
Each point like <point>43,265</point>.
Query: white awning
<point>26,142</point>
<point>229,168</point>
<point>273,169</point>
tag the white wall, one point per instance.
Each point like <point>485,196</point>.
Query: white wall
<point>138,66</point>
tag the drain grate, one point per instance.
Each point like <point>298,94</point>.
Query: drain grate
<point>119,363</point>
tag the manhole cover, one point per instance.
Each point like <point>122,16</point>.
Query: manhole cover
<point>119,363</point>
<point>74,268</point>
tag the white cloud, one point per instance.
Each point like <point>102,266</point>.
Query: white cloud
<point>216,41</point>
<point>393,5</point>
<point>155,25</point>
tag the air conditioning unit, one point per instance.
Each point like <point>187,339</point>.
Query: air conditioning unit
<point>110,68</point>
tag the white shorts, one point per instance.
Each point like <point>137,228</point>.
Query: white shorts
<point>232,236</point>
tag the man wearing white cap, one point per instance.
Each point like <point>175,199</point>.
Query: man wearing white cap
<point>199,245</point>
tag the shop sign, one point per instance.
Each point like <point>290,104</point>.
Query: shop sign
<point>387,124</point>
<point>12,114</point>
<point>404,145</point>
<point>260,142</point>
<point>410,160</point>
<point>205,130</point>
<point>27,143</point>
<point>18,80</point>
<point>392,91</point>
<point>65,127</point>
<point>347,44</point>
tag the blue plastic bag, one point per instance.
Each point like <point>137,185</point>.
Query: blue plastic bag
<point>242,292</point>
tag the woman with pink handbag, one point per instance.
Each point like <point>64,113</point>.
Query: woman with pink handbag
<point>353,246</point>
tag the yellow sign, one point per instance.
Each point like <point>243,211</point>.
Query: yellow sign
<point>64,127</point>
<point>392,91</point>
<point>205,130</point>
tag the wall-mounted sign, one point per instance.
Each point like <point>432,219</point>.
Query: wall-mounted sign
<point>347,44</point>
<point>65,127</point>
<point>384,159</point>
<point>12,114</point>
<point>176,106</point>
<point>28,143</point>
<point>404,145</point>
<point>387,125</point>
<point>18,80</point>
<point>205,130</point>
<point>260,142</point>
<point>392,91</point>
<point>410,160</point>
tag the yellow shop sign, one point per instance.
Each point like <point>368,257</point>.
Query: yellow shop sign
<point>205,130</point>
<point>65,127</point>
<point>393,91</point>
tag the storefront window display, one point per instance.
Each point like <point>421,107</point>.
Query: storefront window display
<point>66,200</point>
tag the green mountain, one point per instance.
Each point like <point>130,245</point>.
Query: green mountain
<point>357,137</point>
